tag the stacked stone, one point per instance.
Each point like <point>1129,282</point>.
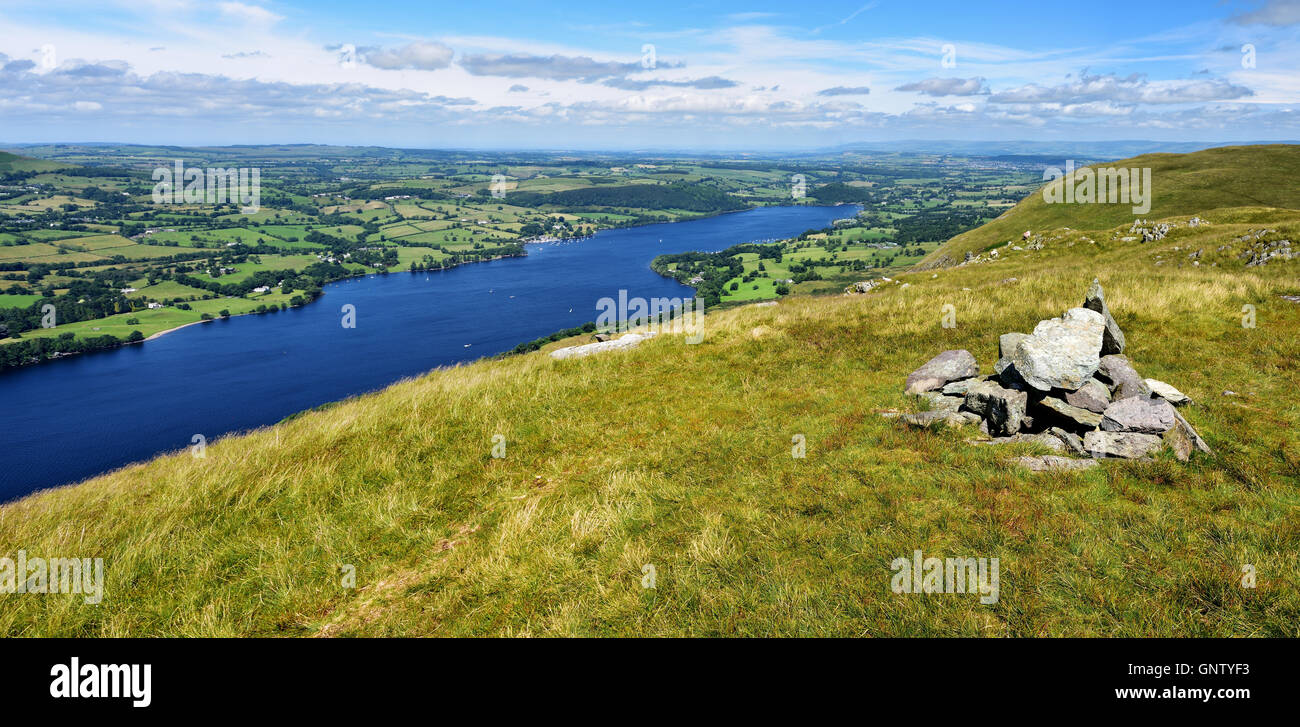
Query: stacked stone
<point>1066,385</point>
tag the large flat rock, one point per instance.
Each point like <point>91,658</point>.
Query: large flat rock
<point>1124,445</point>
<point>1054,463</point>
<point>947,367</point>
<point>1061,353</point>
<point>1135,414</point>
<point>1167,392</point>
<point>628,340</point>
<point>1072,416</point>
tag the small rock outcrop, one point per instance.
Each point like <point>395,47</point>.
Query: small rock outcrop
<point>1058,388</point>
<point>628,340</point>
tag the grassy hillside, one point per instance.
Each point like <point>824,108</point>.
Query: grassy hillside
<point>1184,185</point>
<point>679,456</point>
<point>10,162</point>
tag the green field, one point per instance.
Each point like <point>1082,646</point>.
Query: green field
<point>17,301</point>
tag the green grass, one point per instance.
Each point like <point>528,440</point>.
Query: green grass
<point>679,456</point>
<point>691,472</point>
<point>268,262</point>
<point>14,300</point>
<point>1183,185</point>
<point>168,290</point>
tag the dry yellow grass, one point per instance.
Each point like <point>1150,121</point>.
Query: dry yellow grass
<point>679,457</point>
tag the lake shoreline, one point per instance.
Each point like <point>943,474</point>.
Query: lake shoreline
<point>702,216</point>
<point>237,378</point>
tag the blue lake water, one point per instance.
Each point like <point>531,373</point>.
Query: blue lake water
<point>66,420</point>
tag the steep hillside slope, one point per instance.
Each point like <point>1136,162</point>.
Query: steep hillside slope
<point>1183,184</point>
<point>679,457</point>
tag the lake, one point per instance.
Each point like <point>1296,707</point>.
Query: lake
<point>66,420</point>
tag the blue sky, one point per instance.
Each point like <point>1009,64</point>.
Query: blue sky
<point>601,75</point>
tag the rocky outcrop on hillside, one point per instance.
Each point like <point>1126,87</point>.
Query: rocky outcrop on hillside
<point>1066,385</point>
<point>628,340</point>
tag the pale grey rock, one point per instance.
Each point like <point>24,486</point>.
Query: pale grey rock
<point>1167,392</point>
<point>1075,417</point>
<point>1002,408</point>
<point>1062,353</point>
<point>1124,445</point>
<point>1178,442</point>
<point>1122,377</point>
<point>930,419</point>
<point>1093,396</point>
<point>1054,463</point>
<point>1189,431</point>
<point>1135,414</point>
<point>1042,439</point>
<point>946,367</point>
<point>626,341</point>
<point>1112,340</point>
<point>939,402</point>
<point>959,388</point>
<point>1007,343</point>
<point>1072,442</point>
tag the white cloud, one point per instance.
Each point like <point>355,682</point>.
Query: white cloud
<point>1134,88</point>
<point>249,14</point>
<point>421,55</point>
<point>947,87</point>
<point>1274,12</point>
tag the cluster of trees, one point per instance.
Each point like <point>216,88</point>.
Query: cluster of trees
<point>714,268</point>
<point>839,192</point>
<point>936,225</point>
<point>588,327</point>
<point>85,300</point>
<point>691,197</point>
<point>382,192</point>
<point>21,353</point>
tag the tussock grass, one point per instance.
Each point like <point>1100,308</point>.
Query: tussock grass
<point>1204,182</point>
<point>679,456</point>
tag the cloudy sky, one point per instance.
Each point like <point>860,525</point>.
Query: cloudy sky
<point>582,74</point>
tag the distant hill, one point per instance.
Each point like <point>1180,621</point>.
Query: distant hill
<point>1183,184</point>
<point>14,163</point>
<point>1116,149</point>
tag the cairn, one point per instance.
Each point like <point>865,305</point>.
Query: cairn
<point>1067,386</point>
